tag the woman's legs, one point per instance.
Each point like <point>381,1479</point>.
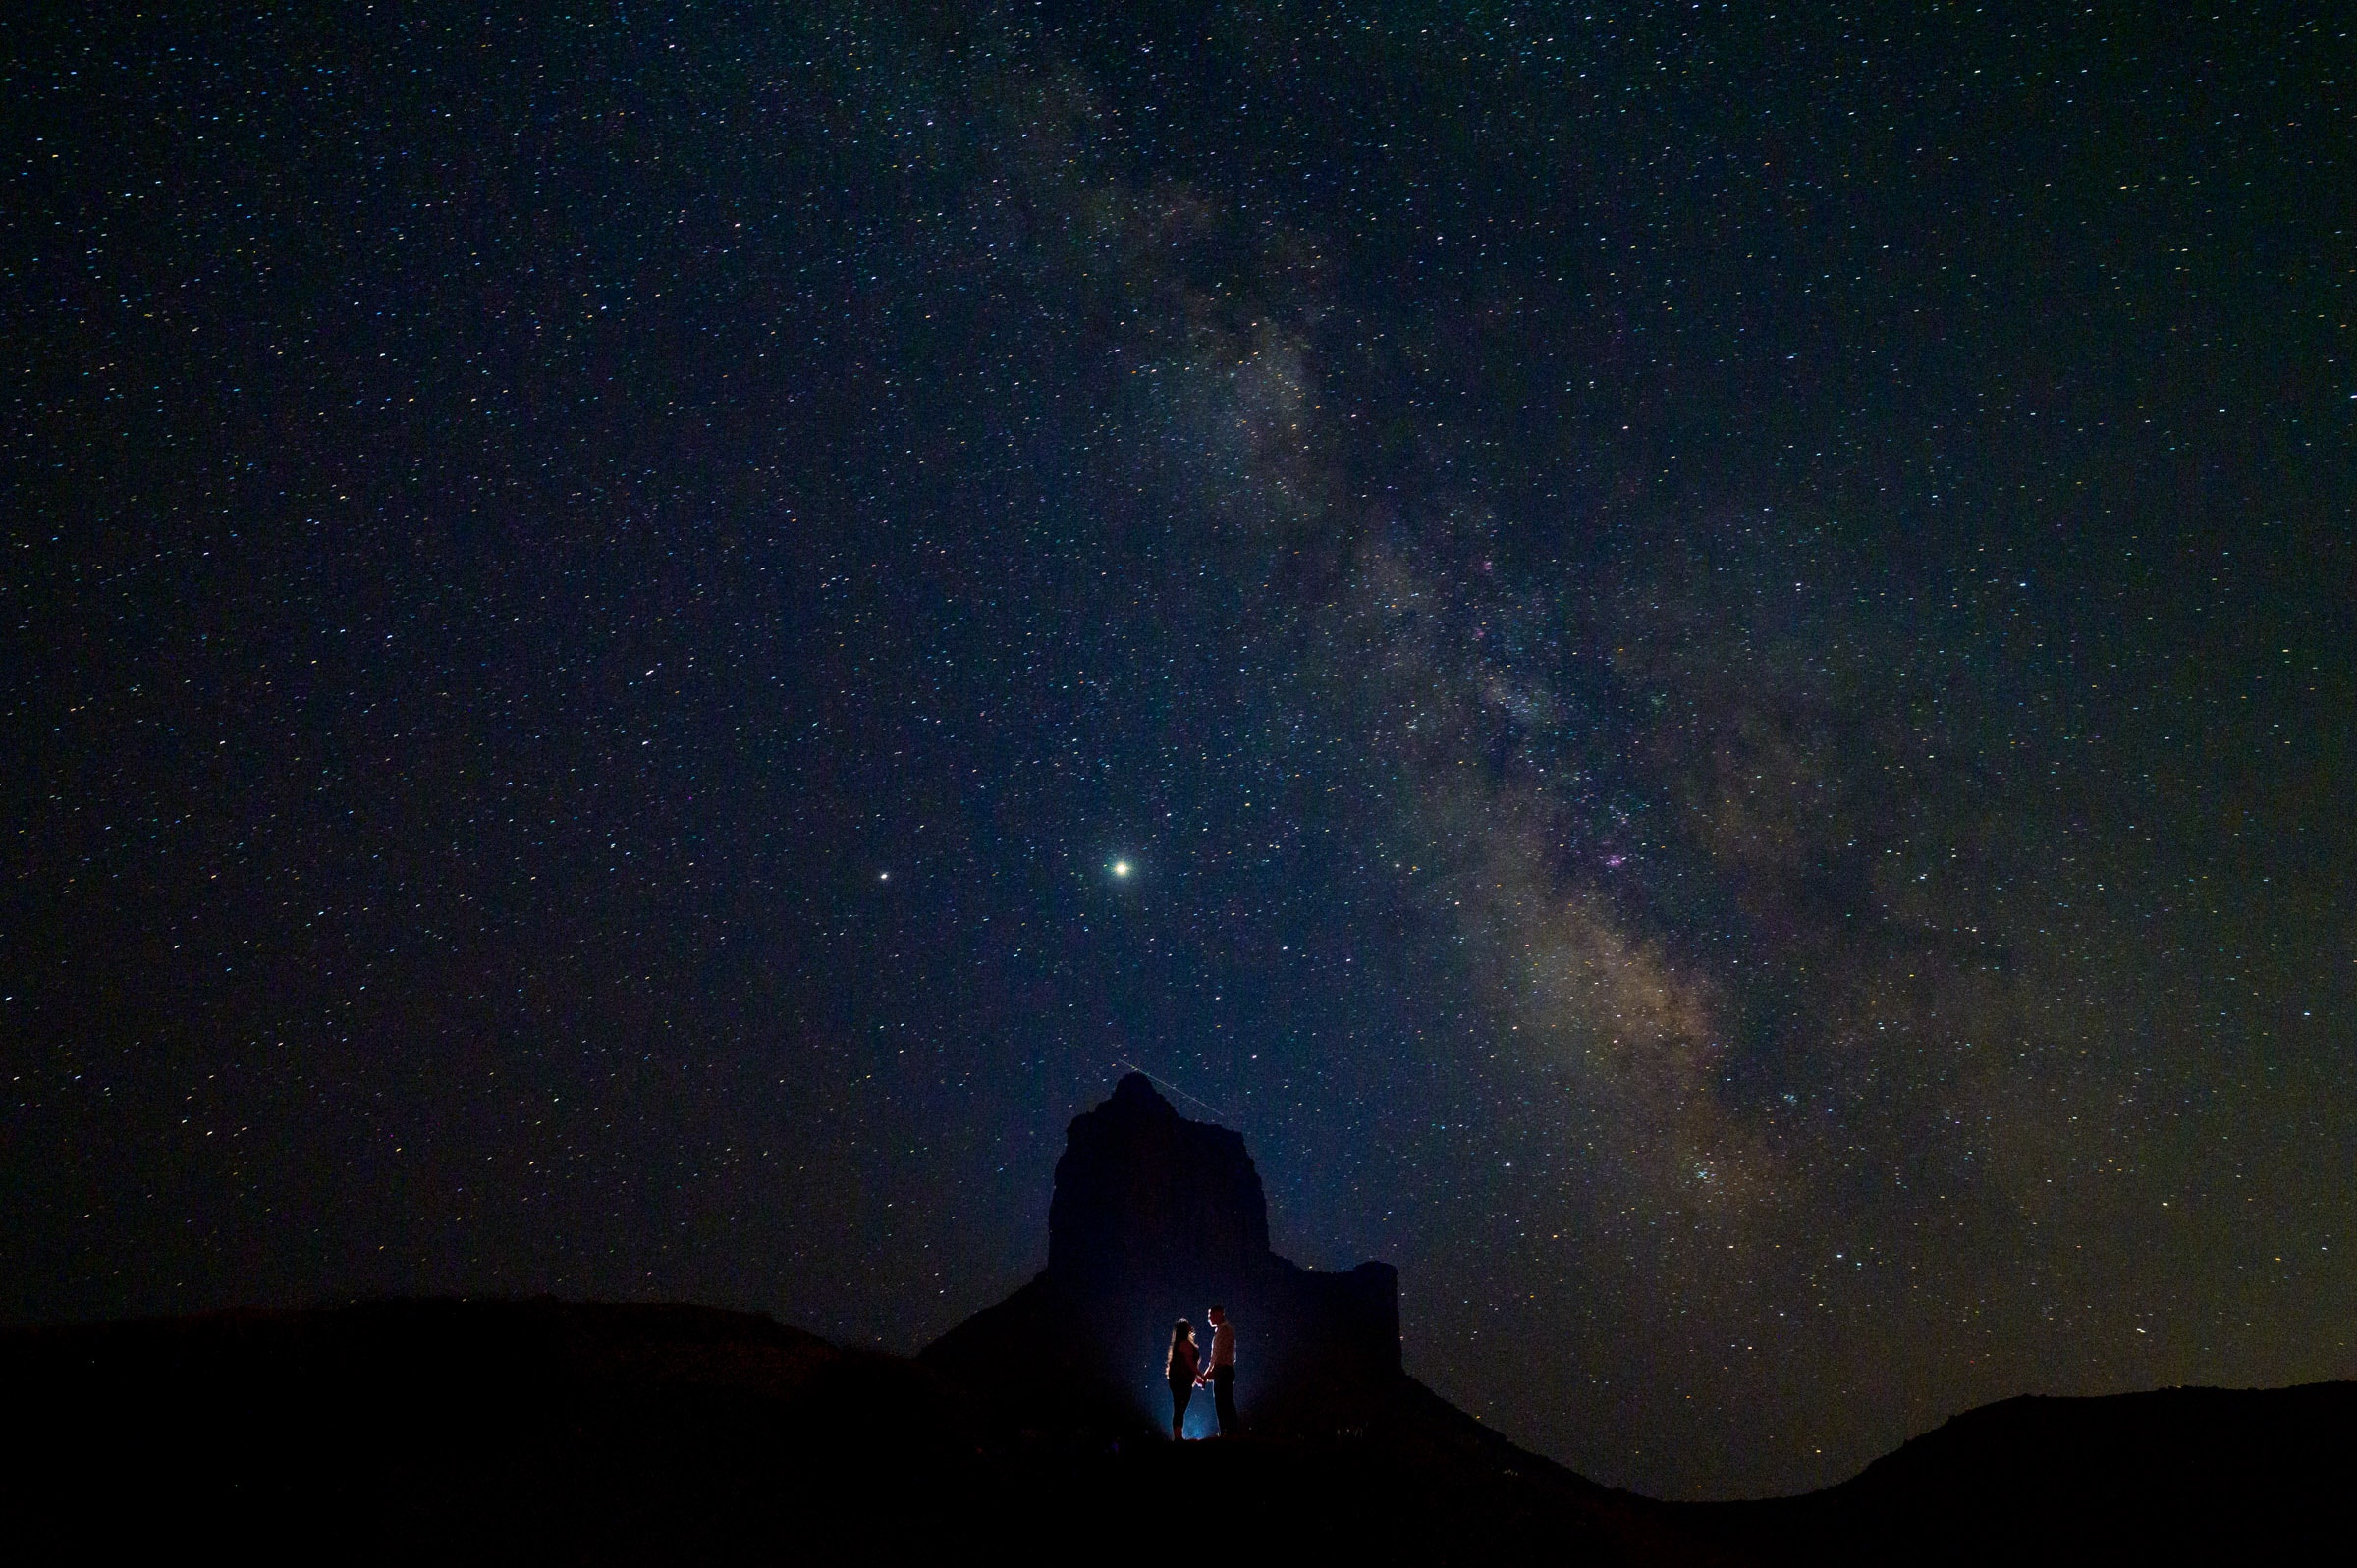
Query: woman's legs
<point>1181,1394</point>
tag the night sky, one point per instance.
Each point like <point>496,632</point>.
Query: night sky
<point>1696,661</point>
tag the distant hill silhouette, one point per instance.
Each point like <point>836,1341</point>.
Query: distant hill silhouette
<point>438,1428</point>
<point>549,1431</point>
<point>2212,1475</point>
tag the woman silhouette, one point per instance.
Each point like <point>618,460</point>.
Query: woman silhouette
<point>1178,1369</point>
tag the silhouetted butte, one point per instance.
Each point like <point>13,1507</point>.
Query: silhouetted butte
<point>1155,1216</point>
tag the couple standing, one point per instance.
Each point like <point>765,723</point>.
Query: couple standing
<point>1180,1367</point>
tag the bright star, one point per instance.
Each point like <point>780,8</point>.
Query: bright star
<point>1121,868</point>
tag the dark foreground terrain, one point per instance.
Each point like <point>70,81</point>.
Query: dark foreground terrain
<point>539,1431</point>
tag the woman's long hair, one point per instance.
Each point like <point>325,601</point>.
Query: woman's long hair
<point>1182,1344</point>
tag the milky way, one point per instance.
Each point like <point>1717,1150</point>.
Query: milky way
<point>1697,667</point>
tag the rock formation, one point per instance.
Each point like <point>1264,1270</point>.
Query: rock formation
<point>1154,1217</point>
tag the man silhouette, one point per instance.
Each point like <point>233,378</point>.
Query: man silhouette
<point>1221,1373</point>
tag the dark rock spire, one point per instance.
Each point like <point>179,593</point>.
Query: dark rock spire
<point>1146,1196</point>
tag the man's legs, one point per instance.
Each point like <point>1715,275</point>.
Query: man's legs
<point>1222,1389</point>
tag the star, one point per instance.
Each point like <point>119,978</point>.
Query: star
<point>1121,868</point>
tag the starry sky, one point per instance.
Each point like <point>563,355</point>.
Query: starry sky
<point>1716,641</point>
